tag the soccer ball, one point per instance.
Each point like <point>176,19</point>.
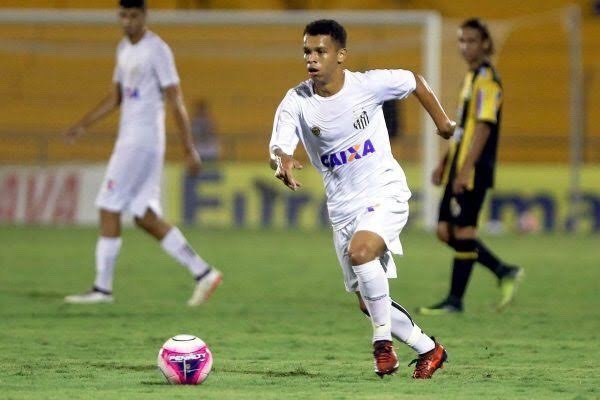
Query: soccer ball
<point>185,360</point>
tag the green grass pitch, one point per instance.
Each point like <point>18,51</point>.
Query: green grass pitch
<point>282,327</point>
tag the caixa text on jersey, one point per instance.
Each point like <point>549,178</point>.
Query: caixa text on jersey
<point>353,153</point>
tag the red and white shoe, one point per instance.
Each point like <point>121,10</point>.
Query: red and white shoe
<point>430,362</point>
<point>205,287</point>
<point>386,360</point>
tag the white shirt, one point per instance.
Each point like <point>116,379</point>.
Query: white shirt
<point>143,70</point>
<point>346,139</point>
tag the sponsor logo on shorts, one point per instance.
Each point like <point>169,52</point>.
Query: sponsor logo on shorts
<point>351,154</point>
<point>110,185</point>
<point>316,131</point>
<point>131,93</point>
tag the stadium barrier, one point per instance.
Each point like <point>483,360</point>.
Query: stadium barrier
<point>529,198</point>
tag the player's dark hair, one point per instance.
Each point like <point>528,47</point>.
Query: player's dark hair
<point>327,27</point>
<point>133,4</point>
<point>482,28</point>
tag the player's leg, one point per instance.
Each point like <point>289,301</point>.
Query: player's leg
<point>404,327</point>
<point>122,176</point>
<point>509,276</point>
<point>431,355</point>
<point>107,251</point>
<point>175,244</point>
<point>445,234</point>
<point>464,243</point>
<point>458,214</point>
<point>364,251</point>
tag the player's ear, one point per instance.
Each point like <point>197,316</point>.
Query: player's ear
<point>487,45</point>
<point>341,55</point>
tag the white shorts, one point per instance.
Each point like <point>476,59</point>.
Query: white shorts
<point>386,219</point>
<point>132,182</point>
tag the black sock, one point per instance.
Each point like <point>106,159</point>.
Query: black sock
<point>462,267</point>
<point>489,260</point>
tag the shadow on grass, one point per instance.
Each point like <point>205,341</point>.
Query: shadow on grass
<point>123,367</point>
<point>298,371</point>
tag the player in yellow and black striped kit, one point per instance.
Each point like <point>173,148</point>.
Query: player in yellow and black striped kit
<point>467,170</point>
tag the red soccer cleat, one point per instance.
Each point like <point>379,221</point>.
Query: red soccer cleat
<point>386,360</point>
<point>429,362</point>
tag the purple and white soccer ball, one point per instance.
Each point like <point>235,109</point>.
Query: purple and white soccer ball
<point>185,360</point>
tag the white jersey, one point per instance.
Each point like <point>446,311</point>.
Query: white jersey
<point>143,70</point>
<point>346,139</point>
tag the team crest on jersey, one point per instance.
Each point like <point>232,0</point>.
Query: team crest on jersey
<point>362,121</point>
<point>316,131</point>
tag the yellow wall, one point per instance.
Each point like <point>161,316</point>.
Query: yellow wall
<point>44,92</point>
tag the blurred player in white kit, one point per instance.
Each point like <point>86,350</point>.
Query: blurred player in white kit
<point>144,78</point>
<point>337,115</point>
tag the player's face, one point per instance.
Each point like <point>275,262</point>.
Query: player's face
<point>323,57</point>
<point>133,21</point>
<point>471,45</point>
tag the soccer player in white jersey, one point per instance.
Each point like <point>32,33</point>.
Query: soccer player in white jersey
<point>144,78</point>
<point>337,116</point>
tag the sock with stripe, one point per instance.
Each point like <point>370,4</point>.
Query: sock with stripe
<point>405,330</point>
<point>176,246</point>
<point>462,266</point>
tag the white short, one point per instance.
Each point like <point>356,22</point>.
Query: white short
<point>386,219</point>
<point>132,182</point>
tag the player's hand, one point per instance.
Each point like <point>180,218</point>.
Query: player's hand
<point>437,174</point>
<point>73,133</point>
<point>193,163</point>
<point>461,183</point>
<point>285,165</point>
<point>448,130</point>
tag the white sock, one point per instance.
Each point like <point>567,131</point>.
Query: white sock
<point>405,330</point>
<point>375,291</point>
<point>107,250</point>
<point>177,247</point>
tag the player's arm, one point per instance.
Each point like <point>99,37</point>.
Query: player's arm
<point>174,100</point>
<point>284,165</point>
<point>432,105</point>
<point>284,141</point>
<point>480,137</point>
<point>107,105</point>
<point>438,172</point>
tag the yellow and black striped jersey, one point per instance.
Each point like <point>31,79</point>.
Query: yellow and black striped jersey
<point>480,101</point>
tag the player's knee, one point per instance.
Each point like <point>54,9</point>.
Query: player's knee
<point>142,223</point>
<point>464,248</point>
<point>361,254</point>
<point>443,234</point>
<point>465,232</point>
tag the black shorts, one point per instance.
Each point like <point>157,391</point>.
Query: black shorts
<point>461,209</point>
